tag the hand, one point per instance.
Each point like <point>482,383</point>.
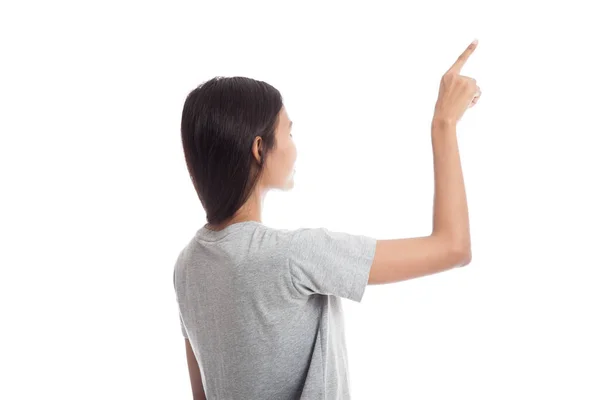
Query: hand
<point>457,92</point>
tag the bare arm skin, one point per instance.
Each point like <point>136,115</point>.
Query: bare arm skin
<point>195,376</point>
<point>449,244</point>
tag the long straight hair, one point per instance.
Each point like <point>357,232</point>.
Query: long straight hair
<point>220,120</point>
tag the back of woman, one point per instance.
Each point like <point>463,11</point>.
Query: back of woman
<point>261,308</point>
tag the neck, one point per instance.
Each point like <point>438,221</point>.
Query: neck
<point>250,211</point>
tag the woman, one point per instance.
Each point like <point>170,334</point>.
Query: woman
<point>260,307</point>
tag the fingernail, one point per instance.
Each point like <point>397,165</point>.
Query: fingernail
<point>475,41</point>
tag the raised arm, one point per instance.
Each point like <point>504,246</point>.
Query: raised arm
<point>449,244</point>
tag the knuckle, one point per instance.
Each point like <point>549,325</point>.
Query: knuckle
<point>468,82</point>
<point>449,76</point>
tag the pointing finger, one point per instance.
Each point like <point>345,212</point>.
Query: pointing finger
<point>462,59</point>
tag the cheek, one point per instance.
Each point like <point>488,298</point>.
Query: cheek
<point>294,153</point>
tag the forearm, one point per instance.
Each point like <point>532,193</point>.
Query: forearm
<point>450,214</point>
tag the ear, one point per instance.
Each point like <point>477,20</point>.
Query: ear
<point>257,149</point>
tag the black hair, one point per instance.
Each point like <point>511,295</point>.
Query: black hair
<point>220,120</point>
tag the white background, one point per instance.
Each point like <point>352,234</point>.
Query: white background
<point>96,201</point>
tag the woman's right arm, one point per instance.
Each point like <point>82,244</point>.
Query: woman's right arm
<point>449,245</point>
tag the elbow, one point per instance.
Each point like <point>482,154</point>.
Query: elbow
<point>466,260</point>
<point>461,255</point>
<point>458,249</point>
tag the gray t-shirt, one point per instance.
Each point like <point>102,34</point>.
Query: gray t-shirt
<point>261,308</point>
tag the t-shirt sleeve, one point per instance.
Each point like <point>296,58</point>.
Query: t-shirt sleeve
<point>183,332</point>
<point>335,263</point>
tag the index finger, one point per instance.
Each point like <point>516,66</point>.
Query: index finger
<point>462,59</point>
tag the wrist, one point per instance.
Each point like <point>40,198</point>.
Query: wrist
<point>442,123</point>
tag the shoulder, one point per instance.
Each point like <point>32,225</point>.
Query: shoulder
<point>286,238</point>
